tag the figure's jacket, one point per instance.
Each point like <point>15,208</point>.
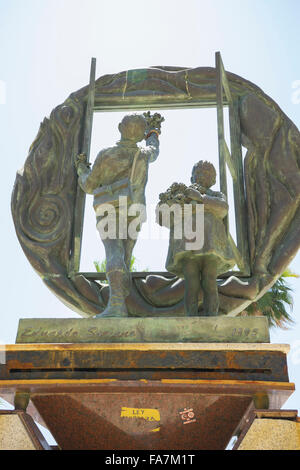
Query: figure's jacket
<point>115,163</point>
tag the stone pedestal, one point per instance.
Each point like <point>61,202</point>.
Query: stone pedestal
<point>269,430</point>
<point>187,396</point>
<point>18,431</point>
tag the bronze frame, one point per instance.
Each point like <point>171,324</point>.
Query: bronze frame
<point>233,159</point>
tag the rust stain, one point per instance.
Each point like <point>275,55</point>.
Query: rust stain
<point>15,364</point>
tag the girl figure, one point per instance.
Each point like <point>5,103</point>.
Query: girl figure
<point>200,268</point>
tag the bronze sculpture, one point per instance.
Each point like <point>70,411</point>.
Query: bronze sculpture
<point>121,172</point>
<point>200,268</point>
<point>44,192</point>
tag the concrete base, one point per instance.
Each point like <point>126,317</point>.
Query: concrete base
<point>221,329</point>
<point>270,430</point>
<point>18,431</point>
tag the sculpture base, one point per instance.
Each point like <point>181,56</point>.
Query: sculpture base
<point>144,396</point>
<point>221,329</point>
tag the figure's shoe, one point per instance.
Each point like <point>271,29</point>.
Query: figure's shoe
<point>119,311</point>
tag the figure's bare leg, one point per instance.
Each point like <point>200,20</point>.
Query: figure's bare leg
<point>192,287</point>
<point>128,248</point>
<point>210,288</point>
<point>118,278</point>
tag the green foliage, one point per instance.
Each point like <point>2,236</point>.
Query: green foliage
<point>277,303</point>
<point>101,265</point>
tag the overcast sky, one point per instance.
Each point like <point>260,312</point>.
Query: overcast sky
<point>46,49</point>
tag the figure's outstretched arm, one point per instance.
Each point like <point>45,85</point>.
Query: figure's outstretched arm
<point>152,144</point>
<point>153,131</point>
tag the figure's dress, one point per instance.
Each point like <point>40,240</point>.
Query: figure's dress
<point>216,245</point>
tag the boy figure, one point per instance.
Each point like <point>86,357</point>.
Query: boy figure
<point>115,168</point>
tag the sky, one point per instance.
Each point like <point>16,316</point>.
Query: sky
<point>46,49</point>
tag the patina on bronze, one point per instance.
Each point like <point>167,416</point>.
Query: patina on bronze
<point>200,268</point>
<point>120,172</point>
<point>221,329</point>
<point>267,187</point>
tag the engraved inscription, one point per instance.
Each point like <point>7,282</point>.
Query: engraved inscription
<point>245,332</point>
<point>186,330</point>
